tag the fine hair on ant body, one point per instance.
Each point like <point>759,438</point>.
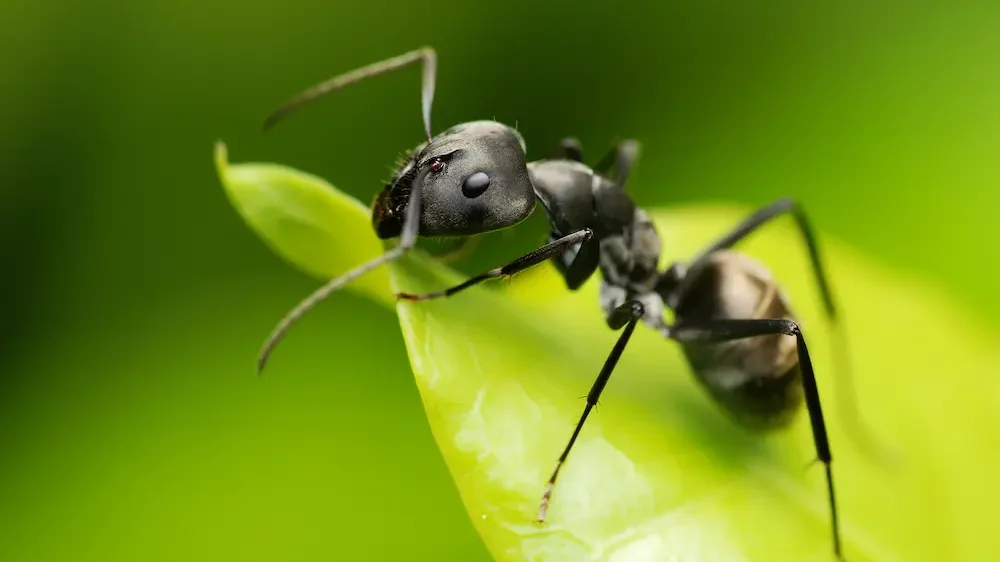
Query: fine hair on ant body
<point>732,321</point>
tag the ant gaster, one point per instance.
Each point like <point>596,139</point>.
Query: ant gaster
<point>733,323</point>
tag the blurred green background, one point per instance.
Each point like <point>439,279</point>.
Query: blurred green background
<point>132,426</point>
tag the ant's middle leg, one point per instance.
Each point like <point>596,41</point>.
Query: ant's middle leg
<point>627,315</point>
<point>570,149</point>
<point>621,159</point>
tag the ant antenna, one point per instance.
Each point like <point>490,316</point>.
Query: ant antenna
<point>408,239</point>
<point>411,223</point>
<point>425,54</point>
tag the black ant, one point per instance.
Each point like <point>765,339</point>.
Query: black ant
<point>731,319</point>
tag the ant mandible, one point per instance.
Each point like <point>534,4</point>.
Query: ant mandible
<point>733,323</point>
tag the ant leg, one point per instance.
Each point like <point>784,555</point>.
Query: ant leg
<point>622,158</point>
<point>426,55</point>
<point>845,399</point>
<point>761,217</point>
<point>734,329</point>
<point>626,315</point>
<point>577,265</point>
<point>571,149</point>
<point>530,259</point>
<point>407,239</point>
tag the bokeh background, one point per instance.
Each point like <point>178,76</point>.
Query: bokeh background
<point>132,426</point>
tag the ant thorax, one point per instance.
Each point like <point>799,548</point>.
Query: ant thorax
<point>628,266</point>
<point>625,247</point>
<point>629,258</point>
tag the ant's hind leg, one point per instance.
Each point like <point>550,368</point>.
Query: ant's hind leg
<point>761,217</point>
<point>712,331</point>
<point>846,402</point>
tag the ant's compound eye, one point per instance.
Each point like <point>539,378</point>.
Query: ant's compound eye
<point>475,185</point>
<point>437,166</point>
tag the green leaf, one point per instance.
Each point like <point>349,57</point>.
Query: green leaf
<point>303,219</point>
<point>659,473</point>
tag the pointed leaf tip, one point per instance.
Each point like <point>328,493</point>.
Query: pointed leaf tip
<point>221,158</point>
<point>305,220</point>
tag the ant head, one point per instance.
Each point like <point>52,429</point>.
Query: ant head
<point>474,180</point>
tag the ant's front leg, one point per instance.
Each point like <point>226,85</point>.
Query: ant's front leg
<point>577,263</point>
<point>530,259</point>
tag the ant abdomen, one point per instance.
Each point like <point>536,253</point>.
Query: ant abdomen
<point>757,380</point>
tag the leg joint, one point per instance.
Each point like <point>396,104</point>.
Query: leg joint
<point>629,311</point>
<point>637,308</point>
